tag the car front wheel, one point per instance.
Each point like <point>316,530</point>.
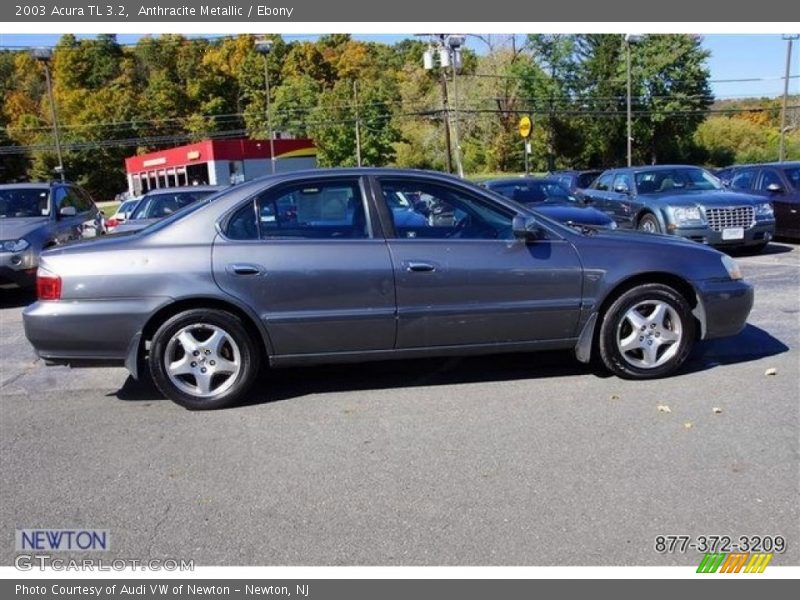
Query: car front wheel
<point>647,332</point>
<point>203,359</point>
<point>649,224</point>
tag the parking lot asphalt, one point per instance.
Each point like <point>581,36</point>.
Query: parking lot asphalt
<point>526,459</point>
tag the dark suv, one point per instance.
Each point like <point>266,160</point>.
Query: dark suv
<point>780,184</point>
<point>35,216</point>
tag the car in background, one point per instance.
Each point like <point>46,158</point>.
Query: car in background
<point>208,296</point>
<point>549,197</point>
<point>780,184</point>
<point>683,200</point>
<point>576,181</point>
<point>121,215</point>
<point>159,203</point>
<point>36,216</point>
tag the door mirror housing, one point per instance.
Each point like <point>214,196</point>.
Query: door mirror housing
<point>67,211</point>
<point>774,188</point>
<point>525,228</point>
<point>621,188</point>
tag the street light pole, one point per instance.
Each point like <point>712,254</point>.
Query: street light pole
<point>454,43</point>
<point>43,55</point>
<point>263,47</point>
<point>789,39</point>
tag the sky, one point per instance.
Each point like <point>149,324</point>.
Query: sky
<point>733,56</point>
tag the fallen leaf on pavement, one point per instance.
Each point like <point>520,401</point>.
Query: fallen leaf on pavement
<point>664,408</point>
<point>717,410</point>
<point>688,425</point>
<point>771,371</point>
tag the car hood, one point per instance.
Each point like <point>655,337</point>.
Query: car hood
<point>706,198</point>
<point>14,229</point>
<point>569,213</point>
<point>634,236</point>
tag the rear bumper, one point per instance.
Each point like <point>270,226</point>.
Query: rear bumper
<point>760,233</point>
<point>70,332</point>
<point>725,306</point>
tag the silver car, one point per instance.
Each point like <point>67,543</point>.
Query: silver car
<point>158,204</point>
<point>314,267</point>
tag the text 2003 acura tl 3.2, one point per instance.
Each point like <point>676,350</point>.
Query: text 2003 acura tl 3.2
<point>319,266</point>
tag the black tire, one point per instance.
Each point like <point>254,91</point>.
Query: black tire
<point>248,358</point>
<point>614,322</point>
<point>648,223</point>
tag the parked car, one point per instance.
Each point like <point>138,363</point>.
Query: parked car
<point>159,203</point>
<point>685,201</point>
<point>124,211</point>
<point>207,297</point>
<point>549,197</point>
<point>34,216</point>
<point>780,184</point>
<point>576,181</point>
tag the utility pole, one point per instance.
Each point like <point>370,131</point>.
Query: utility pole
<point>446,121</point>
<point>789,39</point>
<point>44,55</point>
<point>263,47</point>
<point>629,39</point>
<point>358,122</point>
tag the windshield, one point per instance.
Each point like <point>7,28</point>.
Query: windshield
<point>158,206</point>
<point>24,203</point>
<point>534,192</point>
<point>793,175</point>
<point>127,206</point>
<point>675,180</point>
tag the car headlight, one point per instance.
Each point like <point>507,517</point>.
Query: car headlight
<point>764,210</point>
<point>731,266</point>
<point>612,225</point>
<point>15,245</point>
<point>686,214</point>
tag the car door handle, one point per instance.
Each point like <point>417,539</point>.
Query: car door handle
<point>244,269</point>
<point>420,267</point>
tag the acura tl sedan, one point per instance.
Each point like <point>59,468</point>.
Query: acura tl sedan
<point>686,201</point>
<point>315,267</point>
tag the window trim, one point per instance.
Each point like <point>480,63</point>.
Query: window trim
<point>373,233</point>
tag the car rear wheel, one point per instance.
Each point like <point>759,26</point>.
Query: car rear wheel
<point>203,359</point>
<point>649,224</point>
<point>647,332</point>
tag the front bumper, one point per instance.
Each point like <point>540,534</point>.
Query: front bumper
<point>18,269</point>
<point>724,306</point>
<point>74,331</point>
<point>760,233</point>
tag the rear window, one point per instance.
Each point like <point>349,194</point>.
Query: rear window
<point>158,206</point>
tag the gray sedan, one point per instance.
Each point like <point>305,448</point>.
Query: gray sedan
<point>158,204</point>
<point>315,267</point>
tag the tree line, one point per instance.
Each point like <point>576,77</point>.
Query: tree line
<point>115,100</point>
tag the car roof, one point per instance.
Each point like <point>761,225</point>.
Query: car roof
<point>39,185</point>
<point>552,180</point>
<point>184,188</point>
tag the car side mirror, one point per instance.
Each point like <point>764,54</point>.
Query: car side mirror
<point>525,228</point>
<point>774,188</point>
<point>622,189</point>
<point>68,211</point>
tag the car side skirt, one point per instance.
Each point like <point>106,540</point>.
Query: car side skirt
<point>291,360</point>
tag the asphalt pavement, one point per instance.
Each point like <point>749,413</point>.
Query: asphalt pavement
<point>526,459</point>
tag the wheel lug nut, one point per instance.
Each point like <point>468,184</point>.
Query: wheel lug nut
<point>643,327</point>
<point>641,338</point>
<point>212,363</point>
<point>652,325</point>
<point>194,364</point>
<point>203,370</point>
<point>195,353</point>
<point>649,343</point>
<point>207,351</point>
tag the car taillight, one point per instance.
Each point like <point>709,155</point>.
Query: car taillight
<point>112,222</point>
<point>48,285</point>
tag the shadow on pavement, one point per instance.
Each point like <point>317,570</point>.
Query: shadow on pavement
<point>16,298</point>
<point>772,248</point>
<point>751,344</point>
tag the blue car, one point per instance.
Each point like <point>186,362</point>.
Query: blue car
<point>550,197</point>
